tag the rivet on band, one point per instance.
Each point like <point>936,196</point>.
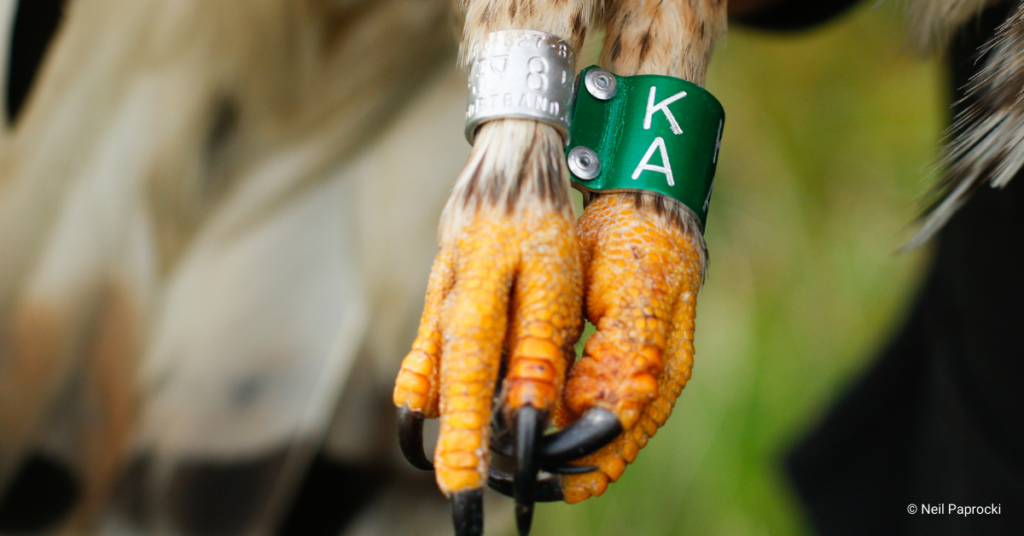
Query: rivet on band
<point>584,163</point>
<point>601,84</point>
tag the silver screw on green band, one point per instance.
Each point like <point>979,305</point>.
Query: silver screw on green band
<point>522,74</point>
<point>584,163</point>
<point>601,84</point>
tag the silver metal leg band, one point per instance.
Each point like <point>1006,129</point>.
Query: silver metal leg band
<point>522,74</point>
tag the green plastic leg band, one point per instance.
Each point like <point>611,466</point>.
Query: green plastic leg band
<point>647,132</point>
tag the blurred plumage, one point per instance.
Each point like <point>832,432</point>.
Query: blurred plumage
<point>987,138</point>
<point>215,218</point>
<point>933,22</point>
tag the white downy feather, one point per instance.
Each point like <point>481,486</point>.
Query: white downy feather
<point>254,343</point>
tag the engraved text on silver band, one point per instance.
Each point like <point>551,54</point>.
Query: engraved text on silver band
<point>521,74</point>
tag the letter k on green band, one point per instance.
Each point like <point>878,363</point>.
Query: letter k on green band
<point>646,132</point>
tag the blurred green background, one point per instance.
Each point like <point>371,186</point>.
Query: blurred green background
<point>828,143</point>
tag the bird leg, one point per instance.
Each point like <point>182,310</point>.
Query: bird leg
<point>507,277</point>
<point>510,274</point>
<point>643,257</point>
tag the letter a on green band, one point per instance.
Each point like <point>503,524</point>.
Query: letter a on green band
<point>655,133</point>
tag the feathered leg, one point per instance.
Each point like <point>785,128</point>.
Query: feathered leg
<point>644,257</point>
<point>508,239</point>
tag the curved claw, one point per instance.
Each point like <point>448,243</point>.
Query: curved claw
<point>595,429</point>
<point>529,426</point>
<point>410,437</point>
<point>548,488</point>
<point>468,512</point>
<point>566,469</point>
<point>555,468</point>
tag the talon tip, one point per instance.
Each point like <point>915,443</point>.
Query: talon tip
<point>468,512</point>
<point>529,428</point>
<point>524,517</point>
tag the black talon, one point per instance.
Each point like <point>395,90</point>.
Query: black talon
<point>548,489</point>
<point>551,454</point>
<point>529,427</point>
<point>595,429</point>
<point>468,512</point>
<point>410,437</point>
<point>566,469</point>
